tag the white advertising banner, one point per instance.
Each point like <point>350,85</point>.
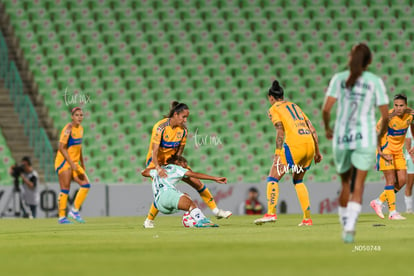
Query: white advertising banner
<point>135,200</point>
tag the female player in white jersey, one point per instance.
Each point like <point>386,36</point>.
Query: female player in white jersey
<point>409,158</point>
<point>355,139</point>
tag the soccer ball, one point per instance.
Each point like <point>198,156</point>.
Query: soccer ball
<point>187,220</point>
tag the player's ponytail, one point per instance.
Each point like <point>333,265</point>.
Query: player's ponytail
<point>360,58</point>
<point>177,107</point>
<point>276,91</point>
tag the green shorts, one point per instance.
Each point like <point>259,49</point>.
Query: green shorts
<point>410,164</point>
<point>363,159</point>
<point>167,201</point>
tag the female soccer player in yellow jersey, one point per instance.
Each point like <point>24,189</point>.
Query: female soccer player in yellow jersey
<point>67,167</point>
<point>296,146</point>
<point>168,138</point>
<point>390,156</point>
<point>354,139</point>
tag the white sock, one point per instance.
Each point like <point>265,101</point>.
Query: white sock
<point>342,215</point>
<point>352,212</point>
<point>379,201</point>
<point>215,211</point>
<point>408,202</point>
<point>393,213</point>
<point>196,214</point>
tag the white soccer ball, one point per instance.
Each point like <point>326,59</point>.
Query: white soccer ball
<point>187,220</point>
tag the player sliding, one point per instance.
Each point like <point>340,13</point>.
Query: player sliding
<point>390,156</point>
<point>67,167</point>
<point>166,196</point>
<point>296,146</point>
<point>354,137</point>
<point>168,138</point>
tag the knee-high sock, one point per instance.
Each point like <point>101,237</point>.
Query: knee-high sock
<point>62,202</point>
<point>207,197</point>
<point>408,202</point>
<point>153,212</point>
<point>389,191</point>
<point>272,194</point>
<point>303,197</point>
<point>81,196</point>
<point>353,209</point>
<point>383,197</point>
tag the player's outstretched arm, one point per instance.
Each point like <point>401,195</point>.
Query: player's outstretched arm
<point>146,172</point>
<point>161,172</point>
<point>221,180</point>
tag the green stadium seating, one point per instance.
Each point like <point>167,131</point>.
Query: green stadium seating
<point>7,161</point>
<point>133,58</point>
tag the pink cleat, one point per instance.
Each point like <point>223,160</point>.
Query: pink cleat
<point>396,216</point>
<point>377,208</point>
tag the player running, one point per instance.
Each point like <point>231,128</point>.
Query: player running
<point>358,92</point>
<point>67,167</point>
<point>390,157</point>
<point>166,196</point>
<point>296,146</point>
<point>168,138</point>
<point>409,157</point>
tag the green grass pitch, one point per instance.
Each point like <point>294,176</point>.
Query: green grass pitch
<point>120,246</point>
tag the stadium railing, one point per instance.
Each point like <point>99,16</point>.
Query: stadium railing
<point>39,141</point>
<point>4,58</point>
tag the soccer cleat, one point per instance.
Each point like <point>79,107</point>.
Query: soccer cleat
<point>223,214</point>
<point>348,237</point>
<point>377,208</point>
<point>205,222</point>
<point>396,216</point>
<point>306,222</point>
<point>148,223</point>
<point>409,211</point>
<point>266,218</point>
<point>76,216</point>
<point>64,220</point>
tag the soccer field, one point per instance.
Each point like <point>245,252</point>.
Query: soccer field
<point>120,246</point>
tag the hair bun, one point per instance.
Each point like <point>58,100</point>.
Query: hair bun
<point>275,85</point>
<point>174,104</point>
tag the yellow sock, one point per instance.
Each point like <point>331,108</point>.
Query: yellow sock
<point>383,196</point>
<point>62,202</point>
<point>81,196</point>
<point>389,191</point>
<point>207,197</point>
<point>272,195</point>
<point>153,212</point>
<point>303,197</point>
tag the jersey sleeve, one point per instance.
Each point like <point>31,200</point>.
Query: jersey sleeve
<point>381,93</point>
<point>184,139</point>
<point>180,171</point>
<point>157,134</point>
<point>153,173</point>
<point>334,87</point>
<point>273,116</point>
<point>64,136</point>
<point>409,135</point>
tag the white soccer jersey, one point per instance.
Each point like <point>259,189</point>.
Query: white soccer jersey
<point>355,125</point>
<point>174,175</point>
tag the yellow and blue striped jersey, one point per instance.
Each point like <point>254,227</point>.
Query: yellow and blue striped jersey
<point>294,122</point>
<point>393,140</point>
<point>169,139</point>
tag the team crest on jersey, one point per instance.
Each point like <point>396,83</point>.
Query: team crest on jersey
<point>179,135</point>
